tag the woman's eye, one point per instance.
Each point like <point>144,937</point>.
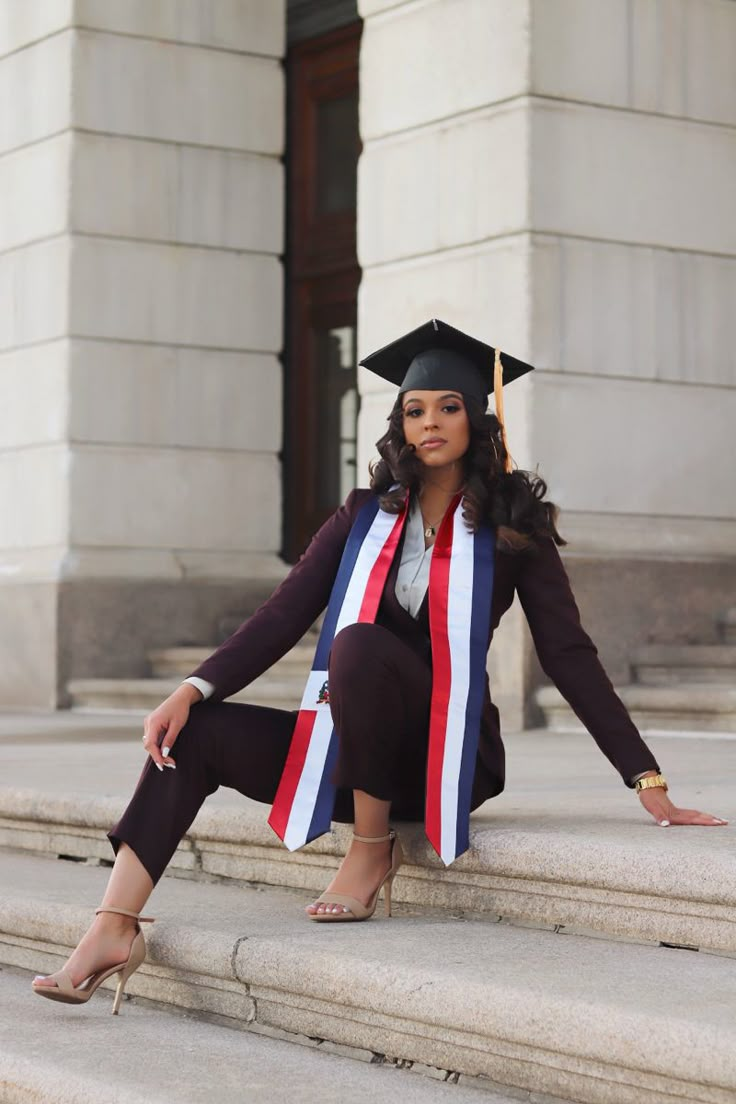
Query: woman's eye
<point>451,408</point>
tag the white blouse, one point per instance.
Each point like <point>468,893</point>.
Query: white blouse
<point>413,574</point>
<point>411,581</point>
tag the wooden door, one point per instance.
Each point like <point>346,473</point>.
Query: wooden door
<point>322,277</point>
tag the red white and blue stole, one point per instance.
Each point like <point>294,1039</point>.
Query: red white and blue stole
<point>460,593</point>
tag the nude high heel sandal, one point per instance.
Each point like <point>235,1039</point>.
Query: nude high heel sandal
<point>357,910</point>
<point>67,993</point>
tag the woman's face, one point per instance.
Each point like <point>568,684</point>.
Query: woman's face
<point>436,423</point>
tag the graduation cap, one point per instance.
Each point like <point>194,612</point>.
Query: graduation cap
<point>436,357</point>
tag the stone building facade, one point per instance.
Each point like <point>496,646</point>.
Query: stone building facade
<point>555,176</point>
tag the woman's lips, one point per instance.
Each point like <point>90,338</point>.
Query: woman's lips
<point>433,443</point>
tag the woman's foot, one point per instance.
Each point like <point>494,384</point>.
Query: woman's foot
<point>360,873</point>
<point>106,943</point>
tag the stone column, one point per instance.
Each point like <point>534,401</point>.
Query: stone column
<point>556,177</point>
<point>141,220</point>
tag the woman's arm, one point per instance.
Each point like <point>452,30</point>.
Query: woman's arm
<point>569,657</point>
<point>281,621</point>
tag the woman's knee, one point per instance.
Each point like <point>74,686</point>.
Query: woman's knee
<point>353,648</point>
<point>194,739</point>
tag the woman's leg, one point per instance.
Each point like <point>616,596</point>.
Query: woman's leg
<point>108,938</point>
<point>380,694</point>
<point>222,744</point>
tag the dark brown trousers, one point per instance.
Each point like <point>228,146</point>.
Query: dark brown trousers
<point>380,693</point>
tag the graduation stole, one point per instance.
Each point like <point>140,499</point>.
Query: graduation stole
<point>460,593</point>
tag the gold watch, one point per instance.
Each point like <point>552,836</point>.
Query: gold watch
<point>650,782</point>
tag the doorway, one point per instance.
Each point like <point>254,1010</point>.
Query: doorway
<point>321,402</point>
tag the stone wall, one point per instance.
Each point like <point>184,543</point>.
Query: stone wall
<point>556,176</point>
<point>140,277</point>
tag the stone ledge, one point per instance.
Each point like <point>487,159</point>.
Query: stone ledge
<point>624,887</point>
<point>689,707</point>
<point>259,1064</point>
<point>526,1008</point>
<point>147,693</point>
<point>677,664</point>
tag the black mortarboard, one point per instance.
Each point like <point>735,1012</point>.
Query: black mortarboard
<point>437,356</point>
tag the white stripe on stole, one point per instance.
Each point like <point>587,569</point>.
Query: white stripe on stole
<point>370,550</point>
<point>305,798</point>
<point>459,616</point>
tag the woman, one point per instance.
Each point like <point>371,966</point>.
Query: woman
<point>397,717</point>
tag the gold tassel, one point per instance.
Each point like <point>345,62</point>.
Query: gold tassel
<point>498,396</point>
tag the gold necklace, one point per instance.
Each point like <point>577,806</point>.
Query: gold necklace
<point>431,530</point>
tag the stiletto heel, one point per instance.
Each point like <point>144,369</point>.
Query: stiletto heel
<point>66,993</point>
<point>118,994</point>
<point>387,896</point>
<point>353,909</point>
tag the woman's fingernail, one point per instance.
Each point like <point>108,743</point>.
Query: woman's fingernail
<point>721,821</point>
<point>664,823</point>
<point>159,766</point>
<point>165,752</point>
<point>171,765</point>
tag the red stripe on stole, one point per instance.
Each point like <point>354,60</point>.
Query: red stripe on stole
<point>439,580</point>
<point>292,772</point>
<point>379,571</point>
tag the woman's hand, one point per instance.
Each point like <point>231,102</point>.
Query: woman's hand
<point>161,727</point>
<point>656,802</point>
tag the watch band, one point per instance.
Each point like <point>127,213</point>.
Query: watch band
<point>652,781</point>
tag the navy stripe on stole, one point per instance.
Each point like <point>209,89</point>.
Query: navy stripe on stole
<point>356,536</point>
<point>325,801</point>
<point>484,549</point>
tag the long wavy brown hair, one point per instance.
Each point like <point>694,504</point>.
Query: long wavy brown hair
<point>513,503</point>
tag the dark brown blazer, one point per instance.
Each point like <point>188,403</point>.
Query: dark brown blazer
<point>566,652</point>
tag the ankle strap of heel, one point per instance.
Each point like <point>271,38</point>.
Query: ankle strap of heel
<point>374,839</point>
<point>126,912</point>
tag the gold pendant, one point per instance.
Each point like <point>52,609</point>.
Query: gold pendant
<point>429,531</point>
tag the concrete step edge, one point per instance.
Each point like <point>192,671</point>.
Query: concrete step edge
<point>695,655</point>
<point>161,685</point>
<point>187,651</point>
<point>625,890</point>
<point>180,662</point>
<point>687,696</point>
<point>694,708</point>
<point>258,1063</point>
<point>147,693</point>
<point>672,675</point>
<point>579,1038</point>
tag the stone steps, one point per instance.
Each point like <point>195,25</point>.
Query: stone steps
<point>673,664</point>
<point>690,707</point>
<point>538,1011</point>
<point>565,844</point>
<point>281,687</point>
<point>727,626</point>
<point>180,662</point>
<point>38,1064</point>
<point>146,693</point>
<point>687,688</point>
<point>631,884</point>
